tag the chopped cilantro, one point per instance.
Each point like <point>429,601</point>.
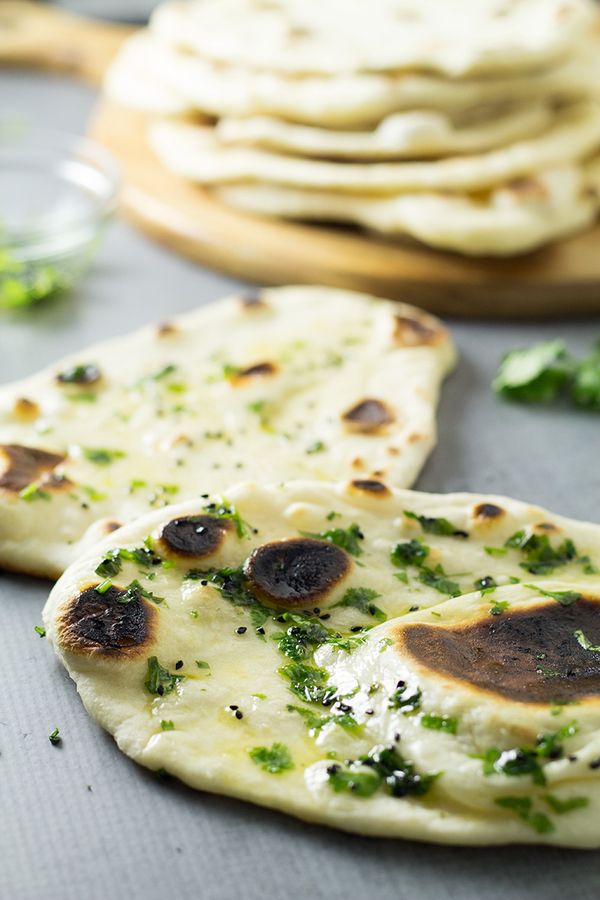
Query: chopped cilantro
<point>541,557</point>
<point>440,723</point>
<point>408,703</point>
<point>565,598</point>
<point>101,456</point>
<point>40,630</point>
<point>159,680</point>
<point>225,510</point>
<point>560,807</point>
<point>485,585</point>
<point>103,587</point>
<point>315,722</point>
<point>528,760</point>
<point>308,682</point>
<point>332,515</point>
<point>201,664</point>
<point>439,526</point>
<point>585,387</point>
<point>522,806</point>
<point>498,607</point>
<point>409,553</point>
<point>382,767</point>
<point>167,725</point>
<point>346,538</point>
<point>361,599</point>
<point>274,759</point>
<point>135,591</point>
<point>80,374</point>
<point>584,642</point>
<point>94,495</point>
<point>55,737</point>
<point>112,562</point>
<point>33,492</point>
<point>302,637</point>
<point>496,551</point>
<point>437,579</point>
<point>316,447</point>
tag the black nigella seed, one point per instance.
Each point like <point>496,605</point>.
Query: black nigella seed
<point>160,690</point>
<point>317,610</point>
<point>281,618</point>
<point>595,763</point>
<point>239,714</point>
<point>179,664</point>
<point>401,684</point>
<point>356,628</point>
<point>344,707</point>
<point>233,706</point>
<point>241,630</point>
<point>397,736</point>
<point>331,770</point>
<point>369,712</point>
<point>325,616</point>
<point>260,630</point>
<point>572,758</point>
<point>204,582</point>
<point>413,608</point>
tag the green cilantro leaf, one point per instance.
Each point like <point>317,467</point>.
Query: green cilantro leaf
<point>274,759</point>
<point>535,375</point>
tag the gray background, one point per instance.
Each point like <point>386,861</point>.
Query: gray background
<point>81,822</point>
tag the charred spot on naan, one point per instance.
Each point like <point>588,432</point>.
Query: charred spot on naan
<point>104,623</point>
<point>194,536</point>
<point>25,410</point>
<point>488,512</point>
<point>25,465</point>
<point>253,303</point>
<point>369,487</point>
<point>257,370</point>
<point>296,572</point>
<point>531,655</point>
<point>546,528</point>
<point>413,331</point>
<point>369,416</point>
<point>166,329</point>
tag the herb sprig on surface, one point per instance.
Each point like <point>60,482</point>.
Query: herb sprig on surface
<point>546,371</point>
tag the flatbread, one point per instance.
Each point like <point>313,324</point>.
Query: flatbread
<point>512,218</point>
<point>305,381</point>
<point>152,76</point>
<point>422,134</point>
<point>244,661</point>
<point>328,37</point>
<point>194,152</point>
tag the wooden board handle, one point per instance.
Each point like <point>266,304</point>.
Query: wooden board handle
<point>32,34</point>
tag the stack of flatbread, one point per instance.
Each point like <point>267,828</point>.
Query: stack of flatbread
<point>467,126</point>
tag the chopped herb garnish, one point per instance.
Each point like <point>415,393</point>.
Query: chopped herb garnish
<point>227,511</point>
<point>201,664</point>
<point>167,725</point>
<point>315,722</point>
<point>528,760</point>
<point>542,558</point>
<point>274,759</point>
<point>135,591</point>
<point>485,585</point>
<point>94,495</point>
<point>439,526</point>
<point>308,682</point>
<point>437,579</point>
<point>584,642</point>
<point>33,492</point>
<point>400,699</point>
<point>362,599</point>
<point>316,447</point>
<point>560,807</point>
<point>40,630</point>
<point>498,607</point>
<point>103,587</point>
<point>522,806</point>
<point>409,553</point>
<point>496,551</point>
<point>160,681</point>
<point>439,723</point>
<point>565,598</point>
<point>80,374</point>
<point>346,538</point>
<point>101,456</point>
<point>382,767</point>
<point>55,737</point>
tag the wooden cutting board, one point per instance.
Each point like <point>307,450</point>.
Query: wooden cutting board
<point>560,280</point>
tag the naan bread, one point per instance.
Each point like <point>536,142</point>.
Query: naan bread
<point>512,218</point>
<point>303,37</point>
<point>292,382</point>
<point>152,76</point>
<point>401,135</point>
<point>295,645</point>
<point>194,152</point>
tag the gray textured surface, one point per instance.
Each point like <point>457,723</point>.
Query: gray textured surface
<point>81,822</point>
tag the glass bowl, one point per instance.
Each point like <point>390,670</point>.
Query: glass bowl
<point>57,192</point>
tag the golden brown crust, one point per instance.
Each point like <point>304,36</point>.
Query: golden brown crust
<point>258,370</point>
<point>370,486</point>
<point>413,331</point>
<point>24,465</point>
<point>486,512</point>
<point>25,410</point>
